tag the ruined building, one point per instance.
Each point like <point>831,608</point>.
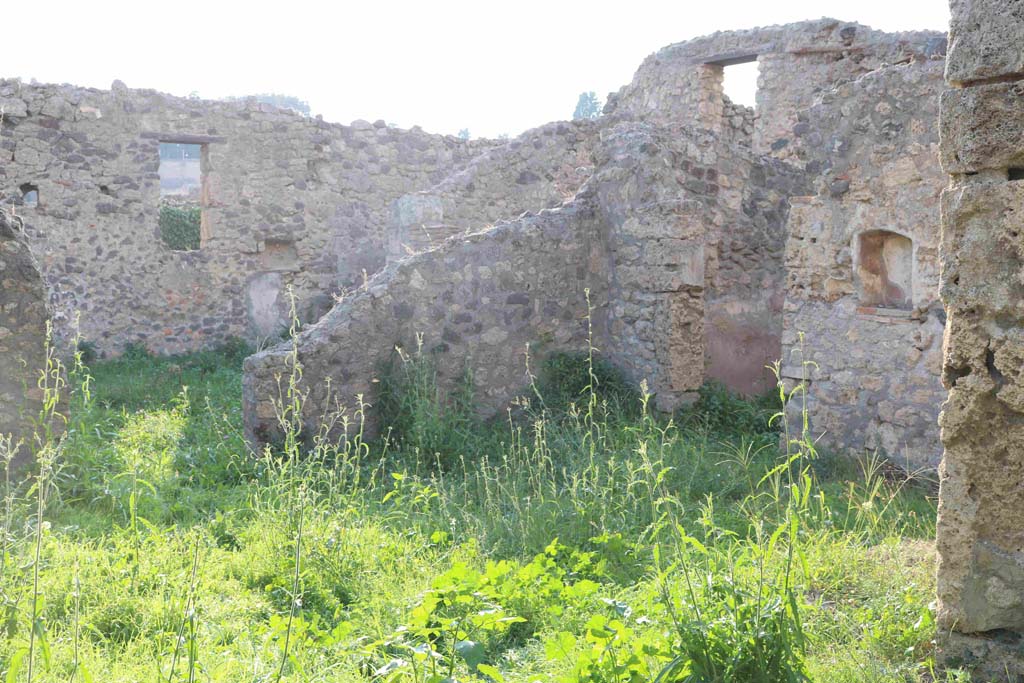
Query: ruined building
<point>981,499</point>
<point>681,231</point>
<point>687,237</point>
<point>23,316</point>
<point>671,214</point>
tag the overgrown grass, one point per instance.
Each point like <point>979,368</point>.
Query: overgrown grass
<point>582,539</point>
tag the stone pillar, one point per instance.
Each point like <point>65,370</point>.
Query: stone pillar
<point>23,315</point>
<point>981,500</point>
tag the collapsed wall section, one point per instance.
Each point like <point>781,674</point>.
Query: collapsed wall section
<point>475,304</point>
<point>862,266</point>
<point>23,316</point>
<point>478,300</point>
<point>981,497</point>
<point>286,201</point>
<point>540,169</point>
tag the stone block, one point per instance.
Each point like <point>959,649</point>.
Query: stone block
<point>982,127</point>
<point>986,40</point>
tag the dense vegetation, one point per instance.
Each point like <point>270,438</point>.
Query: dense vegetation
<point>582,539</point>
<point>180,226</point>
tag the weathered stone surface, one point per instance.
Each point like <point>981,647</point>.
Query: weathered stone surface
<point>986,40</point>
<point>981,497</point>
<point>320,192</point>
<point>876,386</point>
<point>682,82</point>
<point>688,216</point>
<point>23,316</point>
<point>983,127</point>
<point>479,301</point>
<point>534,172</point>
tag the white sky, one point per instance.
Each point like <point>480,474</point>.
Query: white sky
<point>444,64</point>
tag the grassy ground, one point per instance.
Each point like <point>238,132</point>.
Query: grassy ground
<point>591,543</point>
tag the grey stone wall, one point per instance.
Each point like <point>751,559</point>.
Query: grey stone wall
<point>873,144</point>
<point>981,498</point>
<point>478,300</point>
<point>476,303</point>
<point>23,316</point>
<point>288,201</point>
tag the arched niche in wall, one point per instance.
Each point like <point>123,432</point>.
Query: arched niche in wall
<point>884,268</point>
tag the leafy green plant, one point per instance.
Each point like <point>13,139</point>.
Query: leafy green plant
<point>567,378</point>
<point>420,417</point>
<point>721,410</point>
<point>180,226</point>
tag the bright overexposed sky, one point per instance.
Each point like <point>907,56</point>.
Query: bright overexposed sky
<point>492,67</point>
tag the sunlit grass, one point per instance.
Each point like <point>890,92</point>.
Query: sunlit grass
<point>585,542</point>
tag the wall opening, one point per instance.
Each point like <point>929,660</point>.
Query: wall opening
<point>884,269</point>
<point>1015,174</point>
<point>29,195</point>
<point>739,81</point>
<point>182,183</point>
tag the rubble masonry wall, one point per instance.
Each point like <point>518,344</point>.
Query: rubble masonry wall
<point>981,498</point>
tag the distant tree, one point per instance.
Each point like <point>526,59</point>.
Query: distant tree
<point>588,106</point>
<point>464,134</point>
<point>503,137</point>
<point>278,100</point>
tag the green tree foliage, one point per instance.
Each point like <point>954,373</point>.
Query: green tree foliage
<point>179,226</point>
<point>588,106</point>
<point>464,134</point>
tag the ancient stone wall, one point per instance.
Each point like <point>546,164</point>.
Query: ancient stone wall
<point>738,122</point>
<point>862,265</point>
<point>479,299</point>
<point>475,303</point>
<point>692,212</point>
<point>981,498</point>
<point>654,208</point>
<point>683,82</point>
<point>287,201</point>
<point>23,316</point>
<point>542,168</point>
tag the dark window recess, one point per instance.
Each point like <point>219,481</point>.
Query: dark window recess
<point>1015,174</point>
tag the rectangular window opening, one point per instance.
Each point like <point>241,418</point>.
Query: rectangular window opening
<point>1015,173</point>
<point>182,192</point>
<point>739,80</point>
